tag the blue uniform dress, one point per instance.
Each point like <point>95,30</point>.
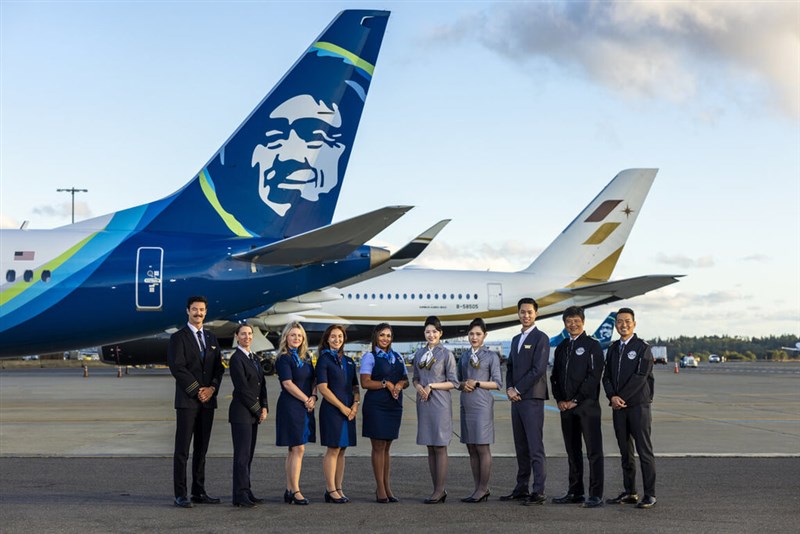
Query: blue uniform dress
<point>382,413</point>
<point>340,375</point>
<point>294,425</point>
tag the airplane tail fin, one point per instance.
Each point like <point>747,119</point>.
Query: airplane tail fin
<point>606,330</point>
<point>281,171</point>
<point>589,247</point>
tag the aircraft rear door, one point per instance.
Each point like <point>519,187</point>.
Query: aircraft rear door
<point>149,267</point>
<point>495,296</point>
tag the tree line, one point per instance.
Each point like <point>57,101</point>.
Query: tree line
<point>732,348</point>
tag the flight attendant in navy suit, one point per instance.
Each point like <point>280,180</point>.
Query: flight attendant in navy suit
<point>337,382</point>
<point>295,418</point>
<point>247,410</point>
<point>383,375</point>
<point>526,380</point>
<point>195,360</point>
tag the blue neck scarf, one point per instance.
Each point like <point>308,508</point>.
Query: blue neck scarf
<point>335,355</point>
<point>296,358</point>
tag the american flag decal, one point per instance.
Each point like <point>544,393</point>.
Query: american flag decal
<point>23,255</point>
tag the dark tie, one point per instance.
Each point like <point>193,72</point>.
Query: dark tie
<point>202,344</point>
<point>254,360</point>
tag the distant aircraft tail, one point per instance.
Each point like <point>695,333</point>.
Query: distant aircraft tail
<point>606,330</point>
<point>281,171</point>
<point>588,249</point>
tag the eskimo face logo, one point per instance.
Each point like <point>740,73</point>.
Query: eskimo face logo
<point>606,330</point>
<point>300,158</point>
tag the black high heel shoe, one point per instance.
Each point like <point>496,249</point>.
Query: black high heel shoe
<point>345,497</point>
<point>471,499</point>
<point>289,498</point>
<point>379,500</point>
<point>329,498</point>
<point>437,501</point>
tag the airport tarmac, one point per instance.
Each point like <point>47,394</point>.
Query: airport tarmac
<point>738,409</point>
<point>94,455</point>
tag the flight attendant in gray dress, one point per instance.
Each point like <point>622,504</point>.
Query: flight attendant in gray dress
<point>478,373</point>
<point>434,376</point>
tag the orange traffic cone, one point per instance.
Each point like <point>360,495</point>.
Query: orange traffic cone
<point>676,368</point>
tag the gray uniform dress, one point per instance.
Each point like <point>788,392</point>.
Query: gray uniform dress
<point>477,407</point>
<point>435,415</point>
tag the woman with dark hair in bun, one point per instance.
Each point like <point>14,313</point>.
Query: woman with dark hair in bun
<point>478,374</point>
<point>383,375</point>
<point>434,376</point>
<point>337,382</point>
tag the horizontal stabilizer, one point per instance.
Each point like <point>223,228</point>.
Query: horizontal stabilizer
<point>405,255</point>
<point>627,288</point>
<point>332,242</point>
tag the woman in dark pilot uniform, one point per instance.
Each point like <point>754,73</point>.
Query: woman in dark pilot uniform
<point>247,410</point>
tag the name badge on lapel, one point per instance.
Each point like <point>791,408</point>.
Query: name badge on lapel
<point>580,351</point>
<point>526,347</point>
<point>632,355</point>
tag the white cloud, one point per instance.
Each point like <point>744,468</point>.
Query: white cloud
<point>672,50</point>
<point>502,256</point>
<point>759,258</point>
<point>8,222</point>
<point>64,210</point>
<point>685,262</point>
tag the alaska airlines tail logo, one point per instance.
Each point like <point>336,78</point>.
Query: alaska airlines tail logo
<point>281,171</point>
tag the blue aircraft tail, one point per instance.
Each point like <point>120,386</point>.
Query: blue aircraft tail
<point>602,334</point>
<point>606,330</point>
<point>281,171</point>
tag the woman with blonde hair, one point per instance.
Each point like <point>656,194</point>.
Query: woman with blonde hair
<point>295,424</point>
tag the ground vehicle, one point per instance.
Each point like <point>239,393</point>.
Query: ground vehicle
<point>659,354</point>
<point>688,361</point>
<point>713,358</point>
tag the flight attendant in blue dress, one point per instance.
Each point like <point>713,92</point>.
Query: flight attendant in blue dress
<point>295,411</point>
<point>337,382</point>
<point>383,375</point>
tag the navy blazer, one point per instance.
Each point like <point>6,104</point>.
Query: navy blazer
<point>249,389</point>
<point>190,371</point>
<point>526,370</point>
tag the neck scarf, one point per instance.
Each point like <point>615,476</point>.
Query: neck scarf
<point>473,359</point>
<point>296,357</point>
<point>335,355</point>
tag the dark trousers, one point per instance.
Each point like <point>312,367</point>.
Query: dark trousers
<point>632,426</point>
<point>527,423</point>
<point>584,421</point>
<point>244,446</point>
<point>191,423</point>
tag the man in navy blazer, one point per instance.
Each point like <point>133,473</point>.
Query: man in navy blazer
<point>195,360</point>
<point>247,410</point>
<point>526,380</point>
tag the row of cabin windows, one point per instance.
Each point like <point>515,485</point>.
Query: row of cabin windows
<point>412,296</point>
<point>27,275</point>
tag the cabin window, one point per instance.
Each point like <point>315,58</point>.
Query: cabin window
<point>11,275</point>
<point>428,296</point>
<point>475,296</point>
<point>460,296</point>
<point>28,275</point>
<point>46,275</point>
<point>452,297</point>
<point>412,296</point>
<point>467,296</point>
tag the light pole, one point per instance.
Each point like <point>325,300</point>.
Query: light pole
<point>73,191</point>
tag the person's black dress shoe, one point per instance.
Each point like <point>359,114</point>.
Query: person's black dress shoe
<point>335,500</point>
<point>569,498</point>
<point>593,502</point>
<point>515,496</point>
<point>204,499</point>
<point>482,498</point>
<point>183,502</point>
<point>647,502</point>
<point>442,498</point>
<point>624,498</point>
<point>289,498</point>
<point>393,499</point>
<point>254,498</point>
<point>535,498</point>
<point>244,503</point>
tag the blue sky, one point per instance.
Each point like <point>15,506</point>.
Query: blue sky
<point>506,117</point>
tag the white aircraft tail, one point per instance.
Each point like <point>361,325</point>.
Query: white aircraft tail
<point>589,247</point>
